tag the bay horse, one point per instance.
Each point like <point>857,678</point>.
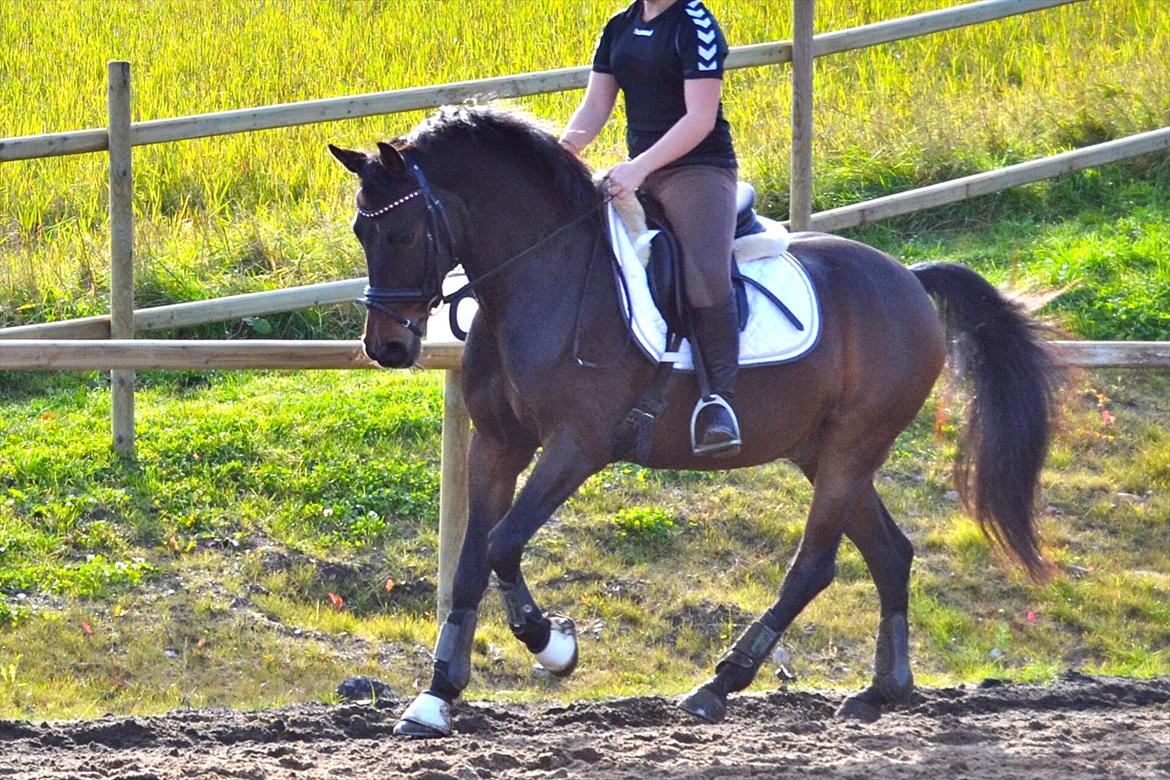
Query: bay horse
<point>494,191</point>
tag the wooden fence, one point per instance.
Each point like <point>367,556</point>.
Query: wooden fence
<point>49,346</point>
<point>187,355</point>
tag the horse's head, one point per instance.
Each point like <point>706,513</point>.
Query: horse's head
<point>406,235</point>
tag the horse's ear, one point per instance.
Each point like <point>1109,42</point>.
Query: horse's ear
<point>353,161</point>
<point>391,159</point>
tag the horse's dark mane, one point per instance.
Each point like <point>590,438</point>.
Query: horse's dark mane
<point>522,138</point>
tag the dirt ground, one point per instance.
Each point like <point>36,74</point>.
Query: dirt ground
<point>1076,727</point>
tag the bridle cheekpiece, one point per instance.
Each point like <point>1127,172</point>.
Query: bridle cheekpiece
<point>440,247</point>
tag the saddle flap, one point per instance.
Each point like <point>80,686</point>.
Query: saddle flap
<point>664,269</point>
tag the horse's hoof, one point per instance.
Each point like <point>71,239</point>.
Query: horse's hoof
<point>865,706</point>
<point>893,688</point>
<point>427,717</point>
<point>559,656</point>
<point>705,704</point>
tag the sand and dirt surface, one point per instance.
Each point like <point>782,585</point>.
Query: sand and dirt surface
<point>1074,727</point>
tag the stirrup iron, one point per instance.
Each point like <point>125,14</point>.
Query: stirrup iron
<point>723,448</point>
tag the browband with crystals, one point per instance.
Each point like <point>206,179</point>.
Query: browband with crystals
<point>389,206</point>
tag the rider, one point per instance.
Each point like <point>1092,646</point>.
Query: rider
<point>667,57</point>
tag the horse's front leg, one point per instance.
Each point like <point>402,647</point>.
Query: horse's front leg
<point>493,466</point>
<point>562,467</point>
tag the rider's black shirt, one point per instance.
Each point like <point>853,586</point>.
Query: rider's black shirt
<point>651,60</point>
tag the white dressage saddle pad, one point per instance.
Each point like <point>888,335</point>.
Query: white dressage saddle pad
<point>769,337</point>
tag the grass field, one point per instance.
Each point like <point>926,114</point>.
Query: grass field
<point>251,564</point>
<point>277,532</point>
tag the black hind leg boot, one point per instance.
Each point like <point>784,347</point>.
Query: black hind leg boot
<point>714,428</point>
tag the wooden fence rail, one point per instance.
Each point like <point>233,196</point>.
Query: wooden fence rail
<point>194,355</point>
<point>234,307</point>
<point>988,182</point>
<point>191,313</point>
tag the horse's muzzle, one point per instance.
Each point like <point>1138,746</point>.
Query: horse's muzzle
<point>393,354</point>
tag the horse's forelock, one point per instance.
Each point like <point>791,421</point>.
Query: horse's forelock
<point>377,182</point>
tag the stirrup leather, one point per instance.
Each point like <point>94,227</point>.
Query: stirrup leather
<point>704,403</point>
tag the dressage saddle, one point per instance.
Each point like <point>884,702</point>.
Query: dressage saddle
<point>665,268</point>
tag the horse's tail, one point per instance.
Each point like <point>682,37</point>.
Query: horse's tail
<point>1002,449</point>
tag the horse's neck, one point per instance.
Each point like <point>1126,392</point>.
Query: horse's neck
<point>534,302</point>
<point>544,291</point>
<point>537,274</point>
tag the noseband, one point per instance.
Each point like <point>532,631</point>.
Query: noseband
<point>440,247</point>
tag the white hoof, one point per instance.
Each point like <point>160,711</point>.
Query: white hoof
<point>427,716</point>
<point>559,656</point>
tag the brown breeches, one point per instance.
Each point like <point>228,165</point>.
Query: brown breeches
<point>699,201</point>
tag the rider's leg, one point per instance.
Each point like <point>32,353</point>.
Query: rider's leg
<point>716,329</point>
<point>699,202</point>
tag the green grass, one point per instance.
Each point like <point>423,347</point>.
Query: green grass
<point>1102,238</point>
<point>201,575</point>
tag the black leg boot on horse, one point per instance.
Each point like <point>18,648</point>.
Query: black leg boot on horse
<point>714,427</point>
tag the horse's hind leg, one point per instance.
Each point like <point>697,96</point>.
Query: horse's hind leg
<point>493,468</point>
<point>840,485</point>
<point>888,554</point>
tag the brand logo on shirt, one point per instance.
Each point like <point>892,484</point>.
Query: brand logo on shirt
<point>643,33</point>
<point>706,35</point>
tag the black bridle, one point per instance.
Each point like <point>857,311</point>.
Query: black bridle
<point>440,240</point>
<point>440,247</point>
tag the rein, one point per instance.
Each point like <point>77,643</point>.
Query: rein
<point>469,288</point>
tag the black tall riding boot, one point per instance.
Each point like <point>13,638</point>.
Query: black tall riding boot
<point>714,429</point>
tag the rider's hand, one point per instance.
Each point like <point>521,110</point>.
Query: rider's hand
<point>624,178</point>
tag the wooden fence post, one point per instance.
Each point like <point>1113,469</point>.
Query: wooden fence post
<point>800,187</point>
<point>121,249</point>
<point>453,486</point>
